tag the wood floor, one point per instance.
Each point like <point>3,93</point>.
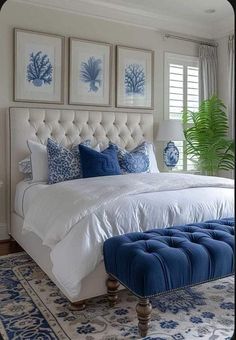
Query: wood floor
<point>9,247</point>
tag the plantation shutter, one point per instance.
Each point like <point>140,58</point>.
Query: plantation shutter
<point>181,91</point>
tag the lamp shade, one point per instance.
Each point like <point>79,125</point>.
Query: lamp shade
<point>171,129</point>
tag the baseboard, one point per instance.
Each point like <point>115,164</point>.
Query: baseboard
<point>4,232</point>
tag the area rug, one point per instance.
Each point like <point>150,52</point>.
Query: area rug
<point>32,307</point>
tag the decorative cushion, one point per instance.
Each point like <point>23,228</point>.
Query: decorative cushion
<point>134,161</point>
<point>96,163</point>
<point>63,164</point>
<point>163,259</point>
<point>152,158</point>
<point>39,161</point>
<point>24,167</point>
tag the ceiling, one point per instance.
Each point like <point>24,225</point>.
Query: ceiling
<point>181,16</point>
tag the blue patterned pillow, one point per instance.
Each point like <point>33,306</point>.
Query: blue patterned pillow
<point>134,161</point>
<point>63,164</point>
<point>96,163</point>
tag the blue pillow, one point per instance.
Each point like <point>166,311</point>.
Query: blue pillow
<point>134,161</point>
<point>96,163</point>
<point>63,164</point>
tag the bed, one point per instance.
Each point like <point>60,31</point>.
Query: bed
<point>182,199</point>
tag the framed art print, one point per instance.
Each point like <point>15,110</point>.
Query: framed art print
<point>134,78</point>
<point>90,72</point>
<point>39,67</point>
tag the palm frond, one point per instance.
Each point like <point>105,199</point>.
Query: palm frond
<point>206,134</point>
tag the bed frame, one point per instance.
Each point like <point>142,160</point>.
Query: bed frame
<point>67,127</point>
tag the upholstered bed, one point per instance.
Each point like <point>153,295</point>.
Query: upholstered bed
<point>68,127</point>
<point>165,199</point>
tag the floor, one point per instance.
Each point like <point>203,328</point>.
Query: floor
<point>9,247</point>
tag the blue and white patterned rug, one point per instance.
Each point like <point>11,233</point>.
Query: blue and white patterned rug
<point>32,307</point>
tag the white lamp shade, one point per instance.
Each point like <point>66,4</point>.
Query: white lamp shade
<point>171,129</point>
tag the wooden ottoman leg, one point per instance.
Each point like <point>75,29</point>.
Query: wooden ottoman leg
<point>112,290</point>
<point>77,306</point>
<point>144,310</point>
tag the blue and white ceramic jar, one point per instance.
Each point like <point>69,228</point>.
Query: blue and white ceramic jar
<point>171,155</point>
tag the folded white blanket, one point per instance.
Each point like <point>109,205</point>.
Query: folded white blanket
<point>57,208</point>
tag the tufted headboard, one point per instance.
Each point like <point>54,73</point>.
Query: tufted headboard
<point>69,127</point>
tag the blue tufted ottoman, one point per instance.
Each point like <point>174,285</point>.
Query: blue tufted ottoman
<point>159,260</point>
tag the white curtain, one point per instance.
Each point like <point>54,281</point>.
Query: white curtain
<point>207,71</point>
<point>231,99</point>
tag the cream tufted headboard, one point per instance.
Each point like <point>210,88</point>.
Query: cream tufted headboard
<point>69,127</point>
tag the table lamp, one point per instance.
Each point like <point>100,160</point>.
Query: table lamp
<point>169,130</point>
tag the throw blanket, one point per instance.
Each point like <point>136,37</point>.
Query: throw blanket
<point>57,208</point>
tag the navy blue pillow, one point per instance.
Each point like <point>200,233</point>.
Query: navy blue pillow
<point>96,163</point>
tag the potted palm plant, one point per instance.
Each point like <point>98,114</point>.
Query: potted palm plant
<point>206,134</point>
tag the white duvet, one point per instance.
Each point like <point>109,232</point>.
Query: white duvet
<point>74,218</point>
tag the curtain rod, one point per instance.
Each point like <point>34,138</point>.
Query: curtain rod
<point>190,40</point>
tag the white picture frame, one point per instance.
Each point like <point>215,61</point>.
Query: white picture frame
<point>90,72</point>
<point>134,77</point>
<point>38,67</point>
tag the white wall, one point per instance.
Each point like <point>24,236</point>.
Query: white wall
<point>46,20</point>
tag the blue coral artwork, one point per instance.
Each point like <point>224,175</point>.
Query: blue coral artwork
<point>91,73</point>
<point>39,69</point>
<point>134,80</point>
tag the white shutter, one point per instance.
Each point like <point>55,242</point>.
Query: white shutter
<point>176,90</point>
<point>181,91</point>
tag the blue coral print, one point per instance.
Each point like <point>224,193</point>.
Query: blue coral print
<point>39,69</point>
<point>134,79</point>
<point>91,72</point>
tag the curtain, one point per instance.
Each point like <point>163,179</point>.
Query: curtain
<point>231,99</point>
<point>207,71</point>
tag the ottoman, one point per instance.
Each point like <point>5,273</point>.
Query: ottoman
<point>160,260</point>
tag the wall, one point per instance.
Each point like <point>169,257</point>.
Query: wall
<point>41,19</point>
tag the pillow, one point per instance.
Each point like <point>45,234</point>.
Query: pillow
<point>39,161</point>
<point>134,161</point>
<point>96,163</point>
<point>139,160</point>
<point>152,158</point>
<point>63,164</point>
<point>24,166</point>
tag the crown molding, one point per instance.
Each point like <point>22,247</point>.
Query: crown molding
<point>134,17</point>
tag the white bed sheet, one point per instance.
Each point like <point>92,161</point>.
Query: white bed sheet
<point>77,247</point>
<point>25,191</point>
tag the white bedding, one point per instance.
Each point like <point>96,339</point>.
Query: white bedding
<point>75,217</point>
<point>25,191</point>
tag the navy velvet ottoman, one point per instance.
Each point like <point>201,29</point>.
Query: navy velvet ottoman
<point>159,260</point>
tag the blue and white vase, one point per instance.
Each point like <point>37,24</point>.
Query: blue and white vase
<point>171,155</point>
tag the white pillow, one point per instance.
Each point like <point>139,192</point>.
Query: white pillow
<point>152,159</point>
<point>39,161</point>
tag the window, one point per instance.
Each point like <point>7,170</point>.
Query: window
<point>181,91</point>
